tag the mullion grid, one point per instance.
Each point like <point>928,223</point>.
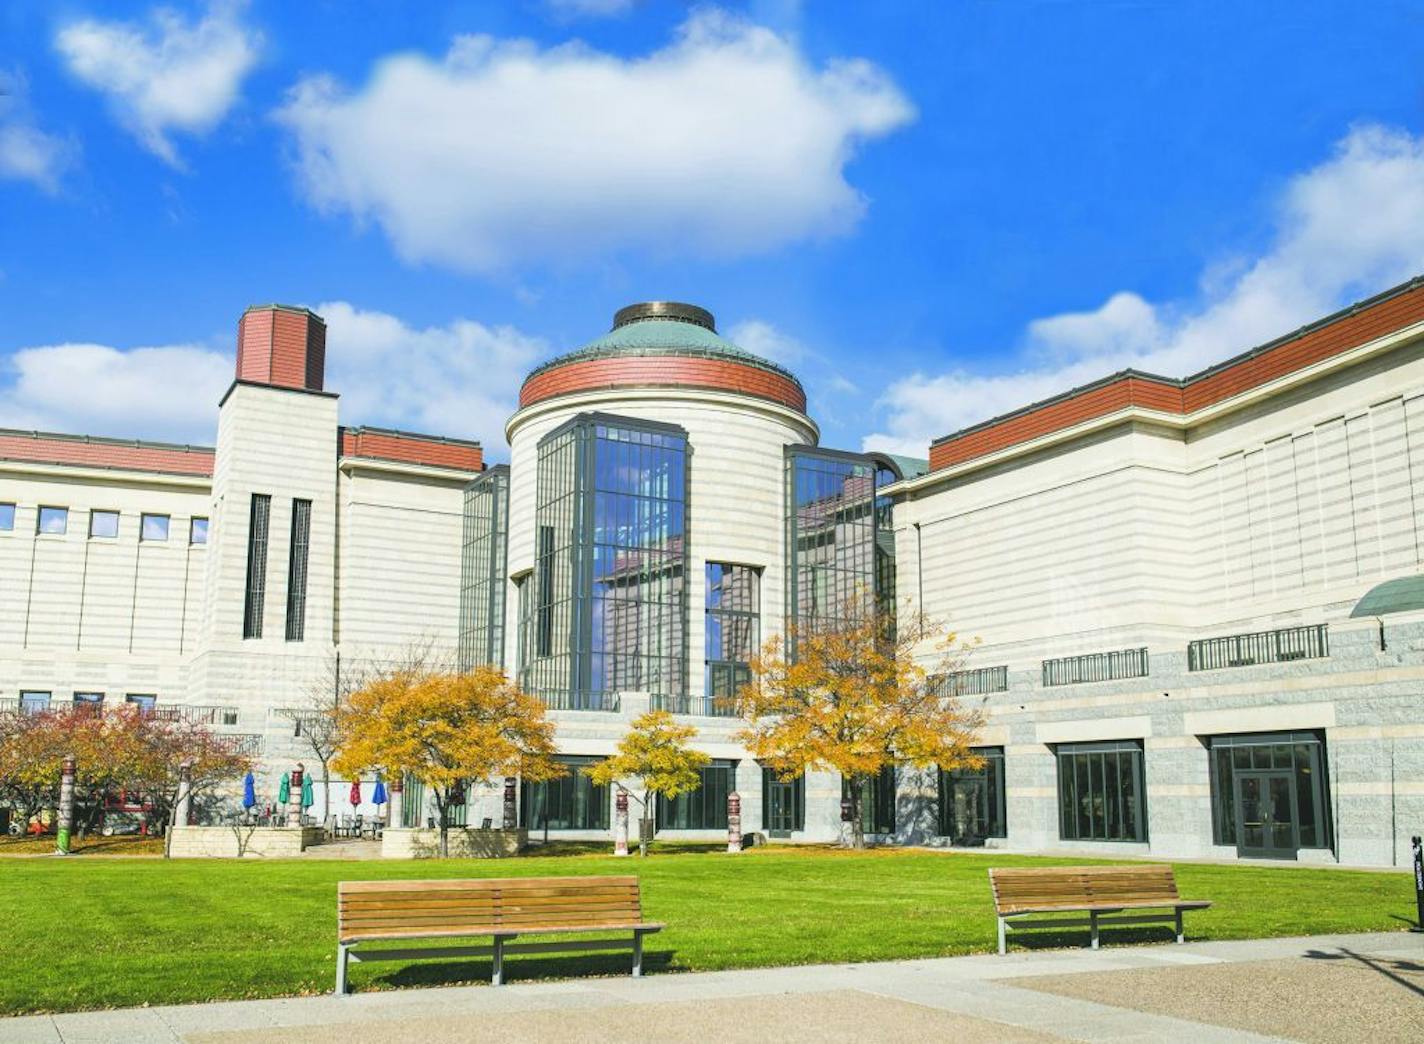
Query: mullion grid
<point>830,540</point>
<point>297,553</point>
<point>482,566</point>
<point>732,633</point>
<point>256,595</point>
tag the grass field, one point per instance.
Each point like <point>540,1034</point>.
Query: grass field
<point>96,933</point>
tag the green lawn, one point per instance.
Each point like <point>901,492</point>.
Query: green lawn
<point>115,932</point>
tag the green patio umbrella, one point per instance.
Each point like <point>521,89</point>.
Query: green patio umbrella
<point>308,793</point>
<point>284,792</point>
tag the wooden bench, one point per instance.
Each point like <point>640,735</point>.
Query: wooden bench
<point>502,908</point>
<point>1098,891</point>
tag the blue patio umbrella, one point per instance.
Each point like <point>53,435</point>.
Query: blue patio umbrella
<point>249,792</point>
<point>378,796</point>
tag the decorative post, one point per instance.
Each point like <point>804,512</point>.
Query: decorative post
<point>66,806</point>
<point>1418,844</point>
<point>734,822</point>
<point>511,809</point>
<point>294,798</point>
<point>394,810</point>
<point>620,821</point>
<point>184,810</point>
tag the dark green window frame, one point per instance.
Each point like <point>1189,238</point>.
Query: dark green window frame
<point>570,802</point>
<point>732,629</point>
<point>783,803</point>
<point>704,808</point>
<point>1102,791</point>
<point>483,563</point>
<point>971,801</point>
<point>1303,754</point>
<point>877,801</point>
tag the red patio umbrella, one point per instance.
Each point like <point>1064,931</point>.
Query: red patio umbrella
<point>355,792</point>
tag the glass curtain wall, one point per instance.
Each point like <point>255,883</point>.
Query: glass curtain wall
<point>733,633</point>
<point>704,808</point>
<point>971,801</point>
<point>1281,778</point>
<point>885,546</point>
<point>830,538</point>
<point>570,802</point>
<point>1101,791</point>
<point>482,569</point>
<point>609,605</point>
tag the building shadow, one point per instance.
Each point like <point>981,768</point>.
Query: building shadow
<point>1389,969</point>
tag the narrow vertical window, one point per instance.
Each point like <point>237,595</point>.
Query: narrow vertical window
<point>256,597</point>
<point>297,571</point>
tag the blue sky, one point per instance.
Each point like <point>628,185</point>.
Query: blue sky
<point>933,212</point>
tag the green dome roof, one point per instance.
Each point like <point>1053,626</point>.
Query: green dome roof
<point>664,328</point>
<point>1403,594</point>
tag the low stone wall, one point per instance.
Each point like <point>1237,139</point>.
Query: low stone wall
<point>231,842</point>
<point>465,843</point>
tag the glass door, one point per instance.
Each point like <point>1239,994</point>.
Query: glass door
<point>1266,815</point>
<point>781,808</point>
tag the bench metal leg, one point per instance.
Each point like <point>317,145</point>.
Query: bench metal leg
<point>1003,936</point>
<point>637,955</point>
<point>1093,926</point>
<point>343,952</point>
<point>1181,935</point>
<point>497,975</point>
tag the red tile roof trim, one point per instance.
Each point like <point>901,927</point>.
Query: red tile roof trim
<point>661,371</point>
<point>409,448</point>
<point>85,451</point>
<point>1334,335</point>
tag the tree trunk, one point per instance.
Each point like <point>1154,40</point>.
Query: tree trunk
<point>645,827</point>
<point>856,835</point>
<point>325,791</point>
<point>441,809</point>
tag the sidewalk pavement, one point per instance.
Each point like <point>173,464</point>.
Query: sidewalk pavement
<point>1321,988</point>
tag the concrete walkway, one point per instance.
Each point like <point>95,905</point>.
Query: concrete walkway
<point>1322,988</point>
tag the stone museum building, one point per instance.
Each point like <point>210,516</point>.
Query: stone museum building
<point>1199,602</point>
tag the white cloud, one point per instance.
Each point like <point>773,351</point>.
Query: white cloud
<point>169,392</point>
<point>1345,229</point>
<point>591,8</point>
<point>26,152</point>
<point>174,74</point>
<point>460,379</point>
<point>726,142</point>
<point>770,342</point>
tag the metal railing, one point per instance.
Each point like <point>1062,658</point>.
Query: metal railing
<point>247,742</point>
<point>1242,650</point>
<point>979,681</point>
<point>1096,667</point>
<point>581,701</point>
<point>195,714</point>
<point>675,704</point>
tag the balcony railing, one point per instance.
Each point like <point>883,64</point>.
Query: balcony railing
<point>977,682</point>
<point>195,714</point>
<point>582,701</point>
<point>1243,650</point>
<point>675,704</point>
<point>250,743</point>
<point>1096,667</point>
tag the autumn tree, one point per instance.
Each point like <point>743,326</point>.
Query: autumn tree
<point>655,752</point>
<point>445,730</point>
<point>855,697</point>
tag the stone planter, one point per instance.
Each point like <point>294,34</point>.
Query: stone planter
<point>465,843</point>
<point>231,842</point>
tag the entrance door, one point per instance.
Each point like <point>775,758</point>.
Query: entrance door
<point>781,808</point>
<point>1266,815</point>
<point>968,803</point>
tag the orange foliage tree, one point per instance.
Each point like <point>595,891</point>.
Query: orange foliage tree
<point>445,730</point>
<point>856,697</point>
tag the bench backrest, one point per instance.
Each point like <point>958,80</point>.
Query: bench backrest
<point>416,909</point>
<point>1037,888</point>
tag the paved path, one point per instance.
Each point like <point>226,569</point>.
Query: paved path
<point>1322,988</point>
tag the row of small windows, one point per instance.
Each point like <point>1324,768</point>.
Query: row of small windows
<point>104,524</point>
<point>37,701</point>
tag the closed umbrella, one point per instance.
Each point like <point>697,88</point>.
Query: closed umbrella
<point>355,792</point>
<point>308,793</point>
<point>378,796</point>
<point>249,792</point>
<point>284,792</point>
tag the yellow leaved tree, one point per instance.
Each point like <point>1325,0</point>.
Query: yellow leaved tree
<point>445,730</point>
<point>855,697</point>
<point>655,752</point>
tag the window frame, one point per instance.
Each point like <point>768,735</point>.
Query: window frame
<point>995,806</point>
<point>738,670</point>
<point>1087,770</point>
<point>154,517</point>
<point>95,514</point>
<point>8,516</point>
<point>29,702</point>
<point>193,531</point>
<point>40,520</point>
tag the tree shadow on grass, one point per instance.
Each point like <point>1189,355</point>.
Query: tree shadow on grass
<point>476,970</point>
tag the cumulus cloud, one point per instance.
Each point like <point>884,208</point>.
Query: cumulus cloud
<point>726,142</point>
<point>461,378</point>
<point>169,392</point>
<point>26,152</point>
<point>173,74</point>
<point>767,340</point>
<point>1344,229</point>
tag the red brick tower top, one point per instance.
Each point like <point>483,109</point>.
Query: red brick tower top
<point>282,346</point>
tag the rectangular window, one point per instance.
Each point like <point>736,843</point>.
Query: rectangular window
<point>153,528</point>
<point>704,808</point>
<point>733,633</point>
<point>255,599</point>
<point>783,803</point>
<point>1242,650</point>
<point>1095,667</point>
<point>91,702</point>
<point>610,564</point>
<point>971,801</point>
<point>103,524</point>
<point>483,562</point>
<point>297,571</point>
<point>32,701</point>
<point>1101,791</point>
<point>1303,815</point>
<point>198,531</point>
<point>571,802</point>
<point>53,521</point>
<point>228,715</point>
<point>877,801</point>
<point>7,517</point>
<point>830,538</point>
<point>143,701</point>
